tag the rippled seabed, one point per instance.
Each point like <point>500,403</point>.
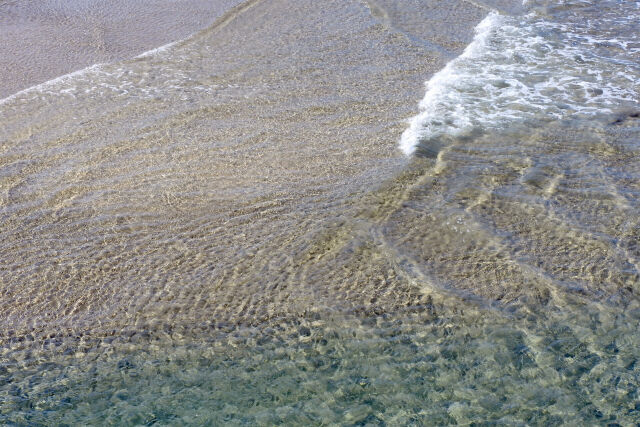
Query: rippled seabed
<point>491,278</point>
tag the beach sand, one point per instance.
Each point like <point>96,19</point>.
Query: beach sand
<point>251,172</point>
<point>197,181</point>
<point>45,39</point>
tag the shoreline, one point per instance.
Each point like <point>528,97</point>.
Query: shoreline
<point>224,230</point>
<point>65,39</point>
<point>339,131</point>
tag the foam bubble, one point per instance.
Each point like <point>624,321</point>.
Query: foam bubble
<point>158,50</point>
<point>528,69</point>
<point>60,80</point>
<point>64,85</point>
<point>439,91</point>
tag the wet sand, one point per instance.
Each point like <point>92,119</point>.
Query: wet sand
<point>45,39</point>
<point>198,181</point>
<point>251,172</point>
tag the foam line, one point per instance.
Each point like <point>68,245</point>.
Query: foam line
<point>441,83</point>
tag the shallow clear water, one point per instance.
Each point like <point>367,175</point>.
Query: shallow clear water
<point>208,235</point>
<point>420,368</point>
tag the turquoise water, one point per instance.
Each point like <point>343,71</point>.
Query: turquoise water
<point>412,368</point>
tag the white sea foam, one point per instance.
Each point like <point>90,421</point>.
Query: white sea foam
<point>64,84</point>
<point>159,50</point>
<point>441,88</point>
<point>60,80</point>
<point>529,68</point>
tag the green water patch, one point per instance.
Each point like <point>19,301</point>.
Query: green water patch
<point>427,365</point>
